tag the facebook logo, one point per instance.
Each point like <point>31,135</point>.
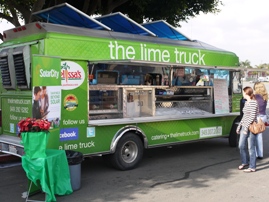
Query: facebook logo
<point>68,134</point>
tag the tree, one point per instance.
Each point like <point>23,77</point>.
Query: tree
<point>245,64</point>
<point>173,11</point>
<point>263,66</point>
<point>259,69</point>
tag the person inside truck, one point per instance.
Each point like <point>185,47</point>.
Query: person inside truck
<point>198,74</point>
<point>36,110</point>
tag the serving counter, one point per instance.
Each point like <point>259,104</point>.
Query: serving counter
<point>128,101</point>
<point>156,119</point>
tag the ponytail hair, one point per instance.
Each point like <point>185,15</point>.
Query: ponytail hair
<point>249,91</point>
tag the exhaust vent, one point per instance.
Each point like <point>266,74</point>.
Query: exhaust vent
<point>15,67</point>
<point>20,71</point>
<point>21,59</point>
<point>7,73</point>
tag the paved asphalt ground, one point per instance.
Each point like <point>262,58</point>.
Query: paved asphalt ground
<point>203,171</point>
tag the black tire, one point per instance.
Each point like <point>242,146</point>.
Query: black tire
<point>129,152</point>
<point>233,137</point>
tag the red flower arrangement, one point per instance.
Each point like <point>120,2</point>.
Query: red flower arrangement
<point>33,125</point>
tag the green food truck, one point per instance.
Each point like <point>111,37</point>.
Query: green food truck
<point>115,87</point>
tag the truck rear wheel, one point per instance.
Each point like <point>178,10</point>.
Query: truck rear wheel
<point>129,152</point>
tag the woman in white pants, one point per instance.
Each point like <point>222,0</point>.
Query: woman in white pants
<point>261,96</point>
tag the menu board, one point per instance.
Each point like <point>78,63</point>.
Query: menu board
<point>221,97</point>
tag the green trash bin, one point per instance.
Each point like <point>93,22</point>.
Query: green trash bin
<point>74,159</point>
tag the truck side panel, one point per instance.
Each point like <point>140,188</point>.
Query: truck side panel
<point>157,133</point>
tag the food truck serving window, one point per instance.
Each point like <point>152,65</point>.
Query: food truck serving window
<point>124,74</point>
<point>237,85</point>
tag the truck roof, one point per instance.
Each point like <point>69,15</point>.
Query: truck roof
<point>41,29</point>
<point>60,29</point>
<point>66,19</point>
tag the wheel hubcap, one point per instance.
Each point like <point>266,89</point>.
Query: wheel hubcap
<point>129,152</point>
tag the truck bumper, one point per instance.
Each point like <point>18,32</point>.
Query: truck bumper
<point>11,145</point>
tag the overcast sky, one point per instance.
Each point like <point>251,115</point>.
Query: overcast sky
<point>241,27</point>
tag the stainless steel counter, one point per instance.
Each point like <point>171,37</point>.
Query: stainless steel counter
<point>106,122</point>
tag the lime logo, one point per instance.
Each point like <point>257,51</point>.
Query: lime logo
<point>70,102</point>
<point>72,75</point>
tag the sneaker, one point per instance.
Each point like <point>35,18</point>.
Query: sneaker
<point>249,170</point>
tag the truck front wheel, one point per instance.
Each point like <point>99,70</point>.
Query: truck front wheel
<point>128,153</point>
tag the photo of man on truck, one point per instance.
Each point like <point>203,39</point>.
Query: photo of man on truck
<point>44,102</point>
<point>36,109</point>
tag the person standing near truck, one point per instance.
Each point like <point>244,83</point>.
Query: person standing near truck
<point>261,96</point>
<point>242,104</point>
<point>247,140</point>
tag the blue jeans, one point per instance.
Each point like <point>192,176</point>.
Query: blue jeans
<point>247,143</point>
<point>259,142</point>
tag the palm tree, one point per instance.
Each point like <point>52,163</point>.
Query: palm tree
<point>245,64</point>
<point>263,66</point>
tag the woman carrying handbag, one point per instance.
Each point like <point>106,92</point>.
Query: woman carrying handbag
<point>261,97</point>
<point>247,140</point>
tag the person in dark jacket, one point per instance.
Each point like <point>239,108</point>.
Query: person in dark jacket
<point>198,73</point>
<point>242,104</point>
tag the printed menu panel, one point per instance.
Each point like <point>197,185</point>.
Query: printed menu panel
<point>221,97</point>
